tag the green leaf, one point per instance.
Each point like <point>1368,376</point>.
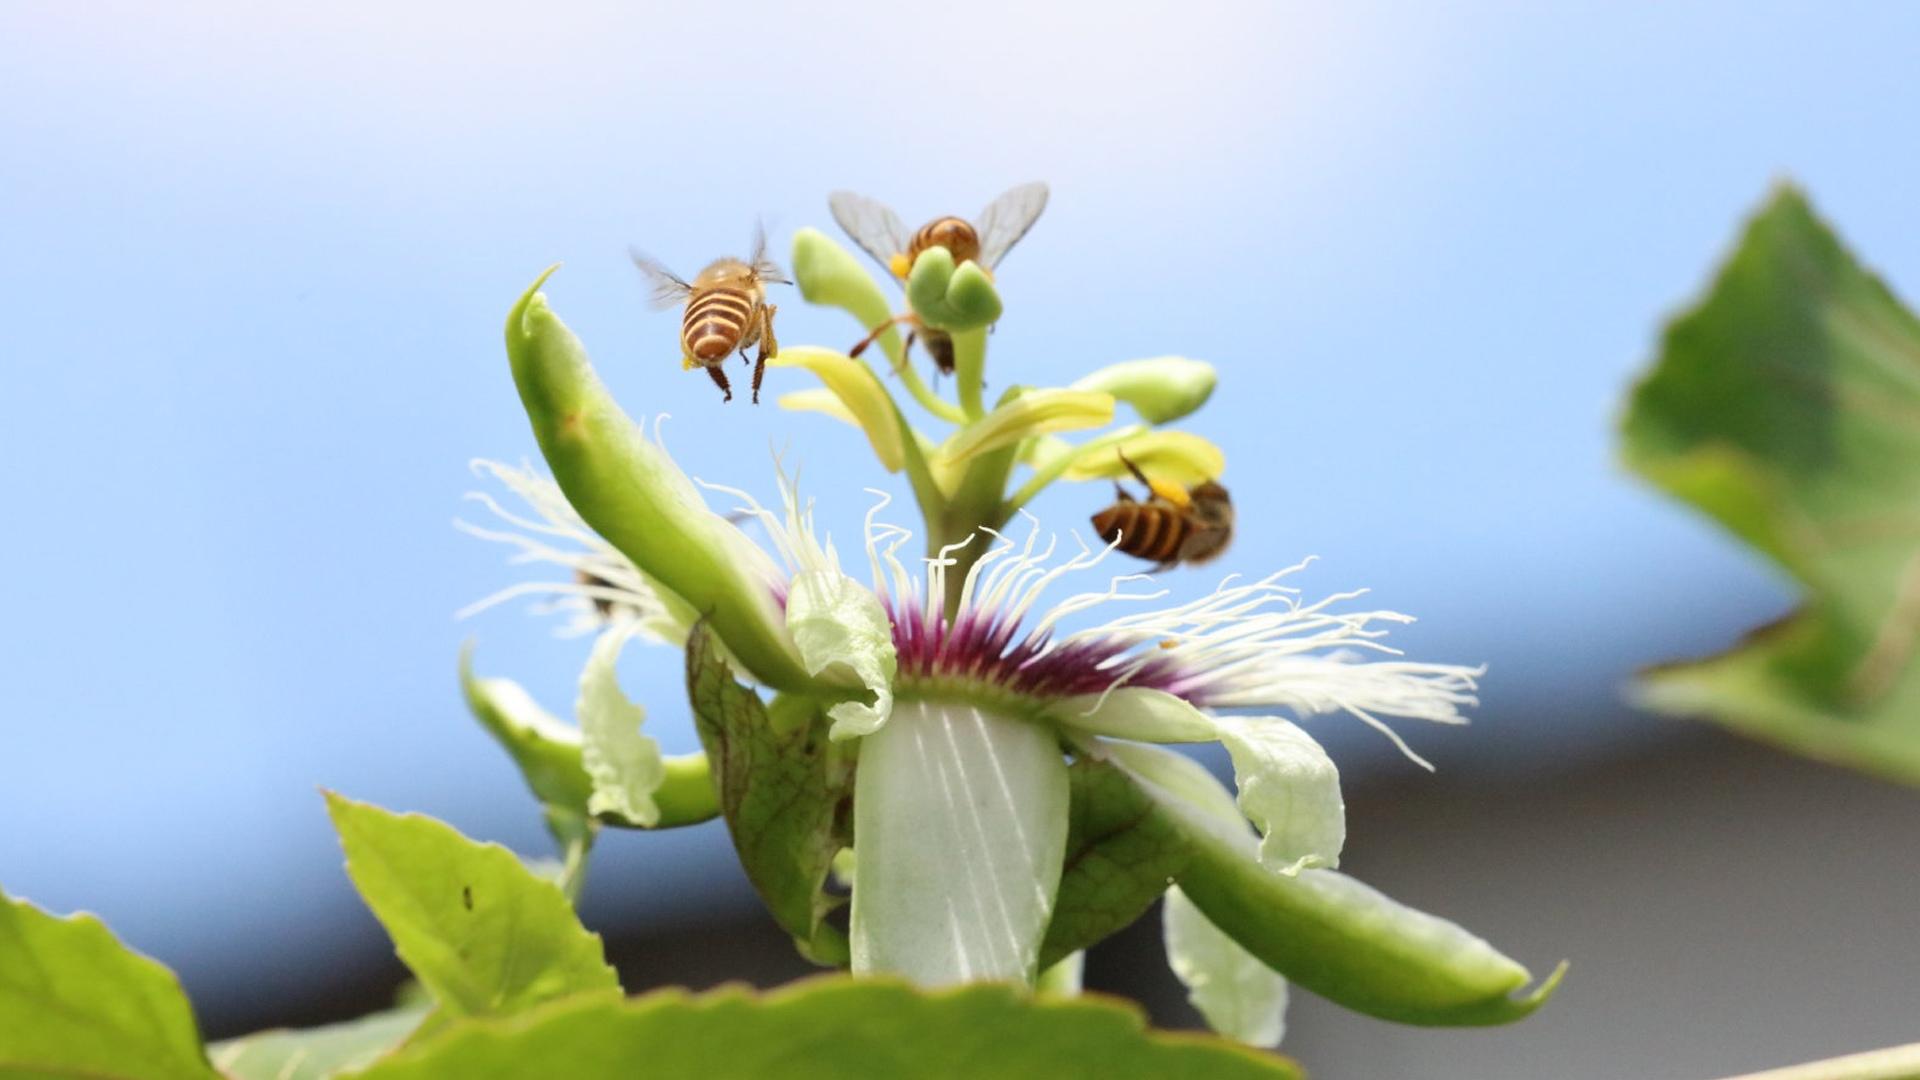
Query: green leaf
<point>786,791</point>
<point>1321,929</point>
<point>830,1028</point>
<point>1786,405</point>
<point>317,1053</point>
<point>478,929</point>
<point>1120,857</point>
<point>75,1002</point>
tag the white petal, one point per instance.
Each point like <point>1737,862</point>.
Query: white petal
<point>1240,996</point>
<point>625,765</point>
<point>836,622</point>
<point>960,820</point>
<point>1289,788</point>
<point>1139,714</point>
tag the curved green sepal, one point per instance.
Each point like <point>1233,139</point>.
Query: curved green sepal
<point>479,930</point>
<point>549,755</point>
<point>633,494</point>
<point>1161,389</point>
<point>951,298</point>
<point>785,789</point>
<point>546,749</point>
<point>832,1027</point>
<point>1321,929</point>
<point>78,1003</point>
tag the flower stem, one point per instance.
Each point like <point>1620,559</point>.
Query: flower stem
<point>910,378</point>
<point>573,870</point>
<point>969,365</point>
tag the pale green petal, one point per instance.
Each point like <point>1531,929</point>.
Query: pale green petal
<point>625,766</point>
<point>837,622</point>
<point>960,817</point>
<point>859,391</point>
<point>1179,457</point>
<point>1240,996</point>
<point>1162,389</point>
<point>1035,412</point>
<point>1067,976</point>
<point>1139,714</point>
<point>1289,788</point>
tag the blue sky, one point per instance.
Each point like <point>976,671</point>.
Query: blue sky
<point>257,259</point>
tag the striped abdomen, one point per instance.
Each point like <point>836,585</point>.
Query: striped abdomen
<point>955,234</point>
<point>717,322</point>
<point>1145,530</point>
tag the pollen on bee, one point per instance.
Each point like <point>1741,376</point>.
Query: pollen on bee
<point>686,363</point>
<point>900,264</point>
<point>1173,493</point>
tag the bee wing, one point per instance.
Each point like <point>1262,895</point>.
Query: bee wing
<point>668,287</point>
<point>763,267</point>
<point>872,224</point>
<point>1007,219</point>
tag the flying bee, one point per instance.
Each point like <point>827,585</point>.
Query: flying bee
<point>726,310</point>
<point>985,241</point>
<point>1174,525</point>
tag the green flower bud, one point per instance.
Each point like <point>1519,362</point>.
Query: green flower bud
<point>1162,389</point>
<point>633,494</point>
<point>830,275</point>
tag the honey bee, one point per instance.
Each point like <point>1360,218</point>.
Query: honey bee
<point>726,310</point>
<point>1174,525</point>
<point>881,233</point>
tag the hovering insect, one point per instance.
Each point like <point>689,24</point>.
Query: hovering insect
<point>881,233</point>
<point>726,310</point>
<point>1174,525</point>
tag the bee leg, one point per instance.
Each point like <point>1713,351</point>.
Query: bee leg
<point>769,346</point>
<point>1135,470</point>
<point>720,380</point>
<point>1120,494</point>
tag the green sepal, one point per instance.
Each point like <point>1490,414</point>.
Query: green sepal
<point>829,1028</point>
<point>786,791</point>
<point>951,298</point>
<point>1323,930</point>
<point>631,492</point>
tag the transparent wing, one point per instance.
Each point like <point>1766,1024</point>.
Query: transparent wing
<point>876,228</point>
<point>1007,219</point>
<point>763,267</point>
<point>668,288</point>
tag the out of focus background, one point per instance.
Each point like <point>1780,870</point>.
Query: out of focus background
<point>256,260</point>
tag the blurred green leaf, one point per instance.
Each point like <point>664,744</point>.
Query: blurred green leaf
<point>786,792</point>
<point>75,1002</point>
<point>480,930</point>
<point>316,1053</point>
<point>1786,405</point>
<point>1121,855</point>
<point>828,1028</point>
